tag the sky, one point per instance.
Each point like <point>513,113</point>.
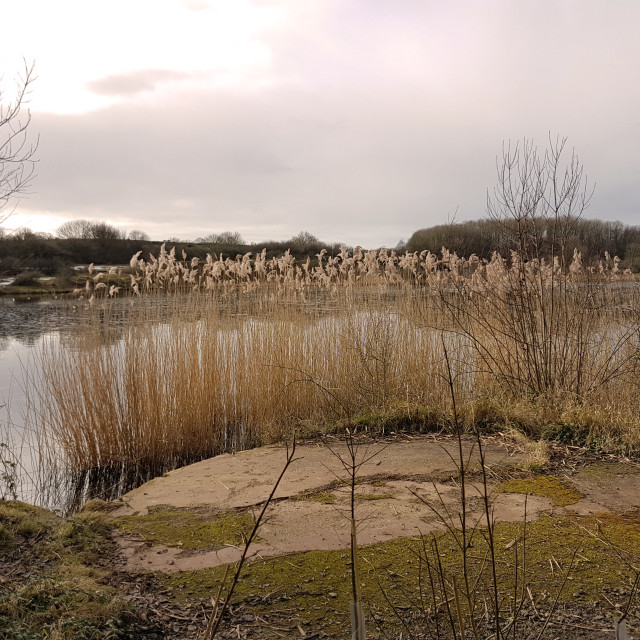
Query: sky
<point>359,121</point>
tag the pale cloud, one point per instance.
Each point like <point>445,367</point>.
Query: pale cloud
<point>75,43</point>
<point>133,82</point>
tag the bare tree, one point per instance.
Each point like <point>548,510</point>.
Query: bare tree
<point>80,228</point>
<point>140,236</point>
<point>227,238</point>
<point>17,153</point>
<point>89,230</point>
<point>539,198</point>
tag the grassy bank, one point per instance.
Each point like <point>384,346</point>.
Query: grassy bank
<point>58,578</point>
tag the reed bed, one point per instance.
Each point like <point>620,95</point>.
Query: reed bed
<point>170,274</point>
<point>229,354</point>
<point>161,391</point>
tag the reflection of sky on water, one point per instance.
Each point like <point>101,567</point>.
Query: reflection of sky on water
<point>25,320</point>
<point>24,324</point>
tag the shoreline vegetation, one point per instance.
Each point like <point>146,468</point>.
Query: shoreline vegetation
<point>181,359</point>
<point>43,263</point>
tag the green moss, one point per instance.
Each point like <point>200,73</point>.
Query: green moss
<point>313,589</point>
<point>373,496</point>
<point>188,529</point>
<point>316,496</point>
<point>561,493</point>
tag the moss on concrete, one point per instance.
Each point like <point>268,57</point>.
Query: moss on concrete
<point>188,529</point>
<point>373,496</point>
<point>561,493</point>
<point>313,589</point>
<point>323,497</point>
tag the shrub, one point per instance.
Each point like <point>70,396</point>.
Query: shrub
<point>27,278</point>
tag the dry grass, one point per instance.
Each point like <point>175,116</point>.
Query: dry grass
<point>258,348</point>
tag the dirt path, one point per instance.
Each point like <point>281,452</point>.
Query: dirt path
<point>312,502</point>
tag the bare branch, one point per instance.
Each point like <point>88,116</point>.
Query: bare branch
<point>17,153</point>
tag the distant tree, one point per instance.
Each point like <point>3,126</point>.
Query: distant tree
<point>23,233</point>
<point>226,238</point>
<point>89,230</point>
<point>305,242</point>
<point>401,247</point>
<point>230,238</point>
<point>140,236</point>
<point>75,229</point>
<point>105,231</point>
<point>17,154</point>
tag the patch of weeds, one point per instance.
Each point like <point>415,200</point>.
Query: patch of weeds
<point>188,529</point>
<point>403,418</point>
<point>379,484</point>
<point>323,497</point>
<point>374,496</point>
<point>604,469</point>
<point>566,433</point>
<point>27,279</point>
<point>101,506</point>
<point>21,521</point>
<point>561,493</point>
<point>61,588</point>
<point>6,537</point>
<point>84,534</point>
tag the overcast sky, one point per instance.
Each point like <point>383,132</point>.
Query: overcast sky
<point>356,120</point>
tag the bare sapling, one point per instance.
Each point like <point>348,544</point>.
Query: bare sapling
<point>456,603</point>
<point>17,154</point>
<point>219,610</point>
<point>352,462</point>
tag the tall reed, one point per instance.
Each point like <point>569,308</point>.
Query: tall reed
<point>158,381</point>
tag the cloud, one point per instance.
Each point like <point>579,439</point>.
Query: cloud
<point>372,123</point>
<point>196,5</point>
<point>134,82</point>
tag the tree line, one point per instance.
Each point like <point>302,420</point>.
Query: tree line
<point>85,241</point>
<point>591,237</point>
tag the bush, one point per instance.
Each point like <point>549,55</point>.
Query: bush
<point>27,279</point>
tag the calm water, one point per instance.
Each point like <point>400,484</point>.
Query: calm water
<point>24,324</point>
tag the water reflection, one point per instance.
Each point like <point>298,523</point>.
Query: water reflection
<point>27,319</point>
